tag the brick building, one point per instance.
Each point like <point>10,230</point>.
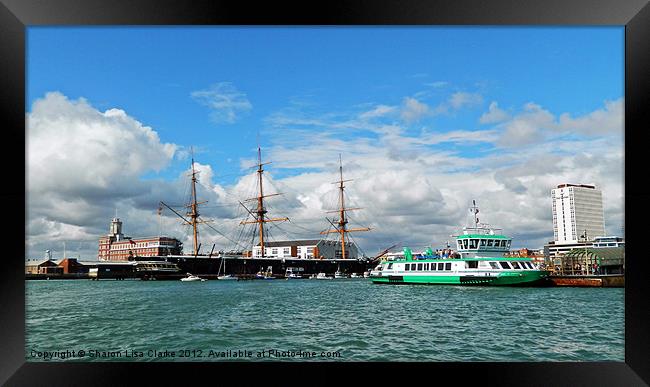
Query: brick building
<point>117,247</point>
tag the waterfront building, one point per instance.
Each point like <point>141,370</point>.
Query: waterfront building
<point>117,247</point>
<point>609,241</point>
<point>591,261</point>
<point>555,250</point>
<point>46,266</point>
<point>306,249</point>
<point>577,213</point>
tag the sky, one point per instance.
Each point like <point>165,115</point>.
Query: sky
<point>425,120</point>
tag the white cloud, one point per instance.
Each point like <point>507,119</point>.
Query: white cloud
<point>379,111</point>
<point>225,101</point>
<point>414,189</point>
<point>413,110</point>
<point>493,115</point>
<point>601,121</point>
<point>461,99</point>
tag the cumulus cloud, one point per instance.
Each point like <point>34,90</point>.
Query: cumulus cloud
<point>413,110</point>
<point>461,99</point>
<point>72,146</point>
<point>224,101</point>
<point>414,188</point>
<point>601,121</point>
<point>493,115</point>
<point>415,192</point>
<point>82,164</point>
<point>536,125</point>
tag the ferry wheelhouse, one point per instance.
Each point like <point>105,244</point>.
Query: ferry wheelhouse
<point>481,259</point>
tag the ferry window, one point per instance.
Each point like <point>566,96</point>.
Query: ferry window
<point>440,266</point>
<point>473,243</point>
<point>419,266</point>
<point>505,265</point>
<point>515,265</point>
<point>460,245</point>
<point>530,265</point>
<point>448,266</point>
<point>433,266</point>
<point>508,244</point>
<point>489,242</point>
<point>390,265</point>
<point>494,265</point>
<point>482,242</point>
<point>472,264</point>
<point>465,243</point>
<point>426,266</point>
<point>407,267</point>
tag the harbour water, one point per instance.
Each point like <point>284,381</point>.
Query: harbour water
<point>314,320</point>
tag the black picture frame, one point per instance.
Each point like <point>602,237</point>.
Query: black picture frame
<point>17,15</point>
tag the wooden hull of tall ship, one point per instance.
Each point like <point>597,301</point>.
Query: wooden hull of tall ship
<point>247,267</point>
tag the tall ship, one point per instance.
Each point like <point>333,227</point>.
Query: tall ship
<point>482,258</point>
<point>265,254</point>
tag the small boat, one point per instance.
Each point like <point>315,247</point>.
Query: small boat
<point>367,274</point>
<point>192,278</point>
<point>293,272</point>
<point>267,275</point>
<point>323,276</point>
<point>224,276</point>
<point>355,275</point>
<point>339,274</point>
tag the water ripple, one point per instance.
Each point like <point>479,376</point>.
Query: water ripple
<point>340,320</point>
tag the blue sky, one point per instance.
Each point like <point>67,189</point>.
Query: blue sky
<point>151,72</point>
<point>219,89</point>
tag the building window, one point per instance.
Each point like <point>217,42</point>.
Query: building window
<point>287,251</point>
<point>274,251</point>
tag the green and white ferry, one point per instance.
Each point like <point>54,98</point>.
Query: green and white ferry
<point>481,259</point>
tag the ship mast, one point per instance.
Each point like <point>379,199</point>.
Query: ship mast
<point>342,228</point>
<point>261,210</point>
<point>193,212</point>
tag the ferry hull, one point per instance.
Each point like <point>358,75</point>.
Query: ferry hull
<point>524,278</point>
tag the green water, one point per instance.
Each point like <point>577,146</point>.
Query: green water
<point>313,320</point>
